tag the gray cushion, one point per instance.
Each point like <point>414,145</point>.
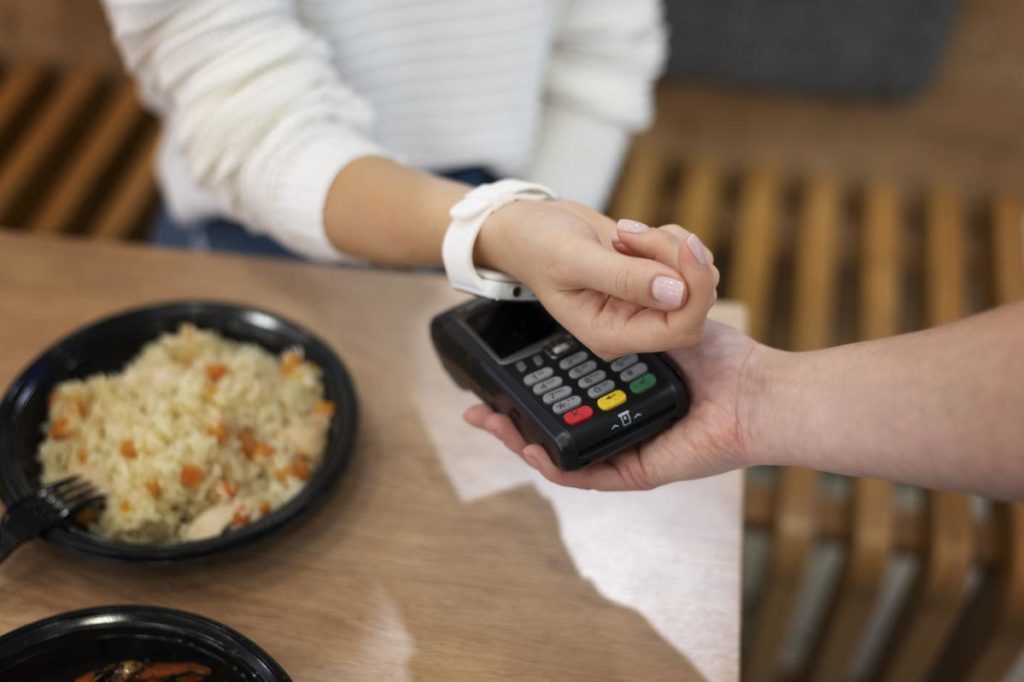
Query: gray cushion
<point>863,48</point>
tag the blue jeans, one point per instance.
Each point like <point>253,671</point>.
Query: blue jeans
<point>220,234</point>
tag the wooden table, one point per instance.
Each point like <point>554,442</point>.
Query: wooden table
<point>439,556</point>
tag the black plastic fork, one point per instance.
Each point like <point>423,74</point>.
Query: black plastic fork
<point>47,507</point>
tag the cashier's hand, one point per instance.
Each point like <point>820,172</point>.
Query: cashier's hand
<point>722,369</point>
<point>617,288</point>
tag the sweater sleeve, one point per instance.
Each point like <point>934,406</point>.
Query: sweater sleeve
<point>252,103</point>
<point>598,91</point>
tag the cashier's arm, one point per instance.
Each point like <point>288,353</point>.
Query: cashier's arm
<point>941,408</point>
<point>613,299</point>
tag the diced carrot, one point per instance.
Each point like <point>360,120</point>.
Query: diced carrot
<point>248,442</point>
<point>300,469</point>
<point>153,486</point>
<point>52,398</point>
<point>83,409</point>
<point>191,475</point>
<point>264,508</point>
<point>216,370</point>
<point>128,450</point>
<point>240,518</point>
<point>60,428</point>
<point>220,432</point>
<point>290,360</point>
<point>281,475</point>
<point>87,677</point>
<point>85,516</point>
<point>228,488</point>
<point>82,456</point>
<point>264,449</point>
<point>325,407</point>
<point>125,506</point>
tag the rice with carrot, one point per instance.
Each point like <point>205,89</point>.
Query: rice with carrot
<point>198,434</point>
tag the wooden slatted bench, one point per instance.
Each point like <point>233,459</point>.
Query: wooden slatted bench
<point>821,260</point>
<point>76,153</point>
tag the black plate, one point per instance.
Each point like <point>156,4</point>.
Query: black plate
<point>61,648</point>
<point>107,346</point>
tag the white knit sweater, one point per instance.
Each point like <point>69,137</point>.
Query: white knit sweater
<point>265,101</point>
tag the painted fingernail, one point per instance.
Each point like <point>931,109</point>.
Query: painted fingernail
<point>668,291</point>
<point>700,252</point>
<point>634,226</point>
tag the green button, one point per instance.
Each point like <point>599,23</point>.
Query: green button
<point>644,383</point>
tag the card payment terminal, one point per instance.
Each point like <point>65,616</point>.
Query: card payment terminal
<point>518,360</point>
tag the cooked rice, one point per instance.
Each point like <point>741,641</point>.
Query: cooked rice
<point>195,423</point>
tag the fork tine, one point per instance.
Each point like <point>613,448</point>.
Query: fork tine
<point>57,486</point>
<point>94,499</point>
<point>76,490</point>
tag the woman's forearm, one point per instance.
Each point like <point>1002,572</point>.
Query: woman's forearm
<point>388,213</point>
<point>942,408</point>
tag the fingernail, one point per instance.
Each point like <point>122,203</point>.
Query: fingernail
<point>634,226</point>
<point>668,291</point>
<point>700,252</point>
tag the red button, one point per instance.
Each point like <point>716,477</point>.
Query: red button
<point>580,414</point>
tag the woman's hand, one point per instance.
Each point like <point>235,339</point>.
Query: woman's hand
<point>724,373</point>
<point>617,290</point>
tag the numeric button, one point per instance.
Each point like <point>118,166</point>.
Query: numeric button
<point>547,385</point>
<point>624,362</point>
<point>540,375</point>
<point>592,378</point>
<point>557,394</point>
<point>601,388</point>
<point>579,370</point>
<point>563,406</point>
<point>573,360</point>
<point>633,372</point>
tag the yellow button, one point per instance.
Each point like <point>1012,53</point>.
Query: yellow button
<point>611,400</point>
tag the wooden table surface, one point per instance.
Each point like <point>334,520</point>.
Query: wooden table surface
<point>439,556</point>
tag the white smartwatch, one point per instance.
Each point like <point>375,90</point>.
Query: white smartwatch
<point>468,218</point>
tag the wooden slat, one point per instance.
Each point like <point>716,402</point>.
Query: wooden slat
<point>639,188</point>
<point>698,201</point>
<point>945,257</point>
<point>872,526</point>
<point>84,173</point>
<point>818,244</point>
<point>1008,251</point>
<point>792,538</point>
<point>135,195</point>
<point>1005,612</point>
<point>991,635</point>
<point>16,90</point>
<point>817,272</point>
<point>881,263</point>
<point>836,516</point>
<point>988,639</point>
<point>44,135</point>
<point>939,591</point>
<point>755,247</point>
